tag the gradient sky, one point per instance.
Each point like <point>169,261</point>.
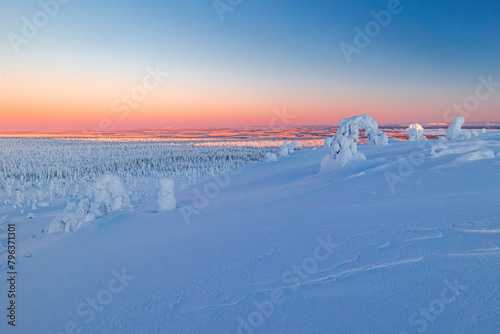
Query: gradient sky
<point>265,56</point>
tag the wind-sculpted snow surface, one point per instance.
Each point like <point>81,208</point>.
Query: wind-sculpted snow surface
<point>279,248</point>
<point>344,145</point>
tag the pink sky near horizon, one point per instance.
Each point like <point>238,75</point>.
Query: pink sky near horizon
<point>49,100</point>
<point>81,116</point>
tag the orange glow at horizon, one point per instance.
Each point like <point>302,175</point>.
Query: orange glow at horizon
<point>46,100</point>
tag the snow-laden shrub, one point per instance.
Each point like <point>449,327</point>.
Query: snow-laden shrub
<point>328,142</point>
<point>455,131</point>
<point>20,199</point>
<point>59,223</point>
<point>109,195</point>
<point>166,195</point>
<point>344,145</point>
<point>294,145</point>
<point>72,218</point>
<point>415,132</point>
<point>284,149</point>
<point>271,156</point>
<point>483,131</point>
<point>288,148</point>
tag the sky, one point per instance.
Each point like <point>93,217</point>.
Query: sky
<point>202,63</point>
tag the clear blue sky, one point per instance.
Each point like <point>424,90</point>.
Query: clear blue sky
<point>263,55</point>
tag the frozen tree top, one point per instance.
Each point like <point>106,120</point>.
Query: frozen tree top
<point>415,132</point>
<point>455,130</point>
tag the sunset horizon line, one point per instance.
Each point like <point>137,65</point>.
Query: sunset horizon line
<point>261,126</point>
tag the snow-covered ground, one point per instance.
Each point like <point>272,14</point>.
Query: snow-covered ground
<point>406,241</point>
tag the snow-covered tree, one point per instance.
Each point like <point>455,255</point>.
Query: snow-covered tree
<point>344,145</point>
<point>72,218</point>
<point>328,142</point>
<point>110,195</point>
<point>284,149</point>
<point>166,195</point>
<point>288,148</point>
<point>455,130</point>
<point>271,156</point>
<point>415,132</point>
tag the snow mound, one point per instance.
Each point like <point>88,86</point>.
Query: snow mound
<point>344,145</point>
<point>166,196</point>
<point>415,132</point>
<point>477,155</point>
<point>442,148</point>
<point>455,131</point>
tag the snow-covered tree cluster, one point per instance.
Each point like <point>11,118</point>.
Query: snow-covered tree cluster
<point>288,148</point>
<point>455,130</point>
<point>109,195</point>
<point>271,156</point>
<point>415,132</point>
<point>344,145</point>
<point>35,172</point>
